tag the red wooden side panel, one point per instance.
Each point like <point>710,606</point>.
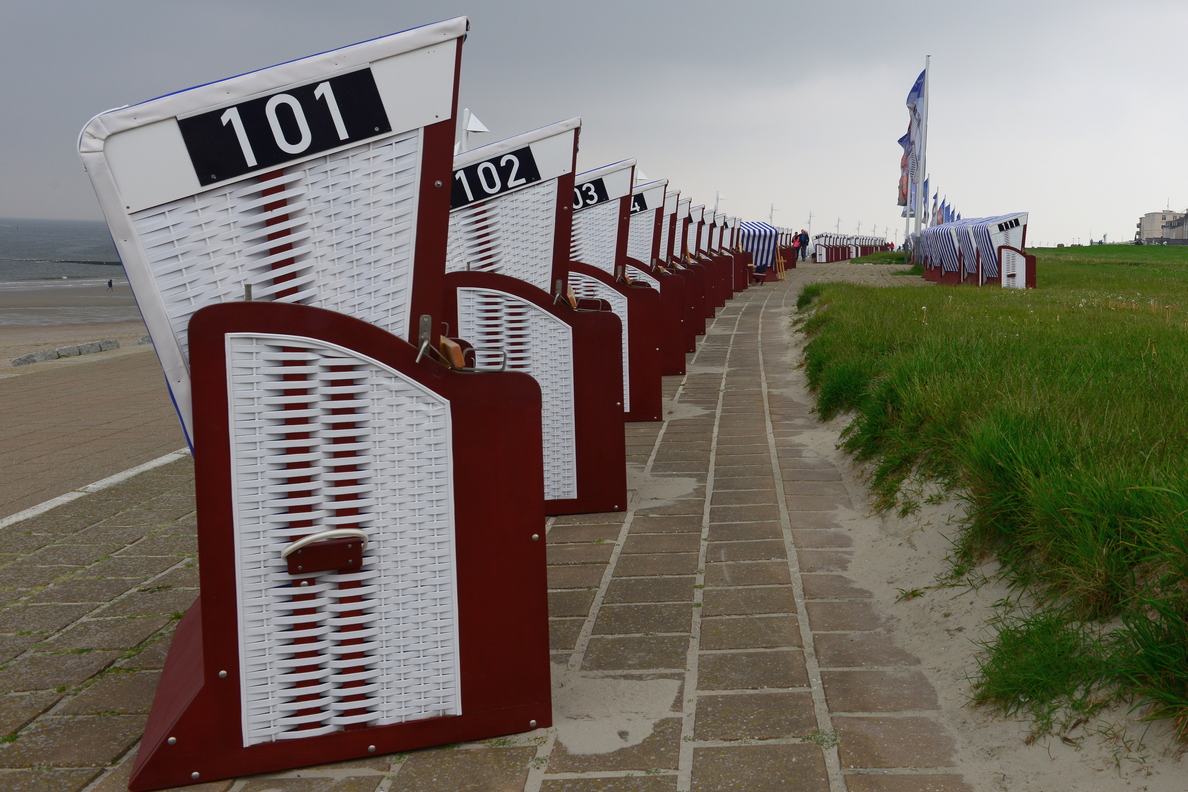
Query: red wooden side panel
<point>726,261</point>
<point>643,353</point>
<point>599,439</point>
<point>194,732</point>
<point>675,334</point>
<point>742,269</point>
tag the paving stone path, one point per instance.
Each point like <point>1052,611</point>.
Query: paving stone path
<point>707,639</point>
<point>71,422</point>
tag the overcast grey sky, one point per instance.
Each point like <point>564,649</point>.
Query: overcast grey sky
<point>1072,111</point>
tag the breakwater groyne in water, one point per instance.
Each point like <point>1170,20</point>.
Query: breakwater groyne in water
<point>43,249</point>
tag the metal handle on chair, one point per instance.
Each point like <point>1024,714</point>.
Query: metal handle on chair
<point>337,533</point>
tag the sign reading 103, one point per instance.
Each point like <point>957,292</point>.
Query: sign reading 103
<point>499,174</point>
<point>589,193</point>
<point>268,131</point>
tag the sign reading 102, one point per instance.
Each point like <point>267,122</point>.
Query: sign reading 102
<point>499,174</point>
<point>271,130</point>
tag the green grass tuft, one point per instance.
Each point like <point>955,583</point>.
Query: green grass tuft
<point>1044,664</point>
<point>1059,415</point>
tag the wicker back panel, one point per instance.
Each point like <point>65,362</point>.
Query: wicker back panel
<point>596,235</point>
<point>539,344</point>
<point>511,234</point>
<point>335,232</point>
<point>635,273</point>
<point>640,234</point>
<point>326,438</point>
<point>586,287</point>
<point>664,235</point>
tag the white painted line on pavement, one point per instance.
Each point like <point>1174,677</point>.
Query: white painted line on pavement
<point>102,484</point>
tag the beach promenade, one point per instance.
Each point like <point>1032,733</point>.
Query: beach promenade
<point>709,638</point>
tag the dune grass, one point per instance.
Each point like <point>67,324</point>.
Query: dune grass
<point>1061,415</point>
<point>881,257</point>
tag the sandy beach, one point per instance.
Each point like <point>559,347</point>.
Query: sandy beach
<point>36,315</point>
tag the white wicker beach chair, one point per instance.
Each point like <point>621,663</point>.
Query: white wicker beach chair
<point>285,234</point>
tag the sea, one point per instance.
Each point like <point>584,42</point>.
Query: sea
<point>55,272</point>
<point>57,249</point>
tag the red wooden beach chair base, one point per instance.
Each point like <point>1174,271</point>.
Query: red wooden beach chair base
<point>196,730</point>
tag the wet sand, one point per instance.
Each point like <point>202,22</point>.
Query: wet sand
<point>37,315</point>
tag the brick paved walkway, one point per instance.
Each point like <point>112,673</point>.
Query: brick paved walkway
<point>707,639</point>
<point>69,423</point>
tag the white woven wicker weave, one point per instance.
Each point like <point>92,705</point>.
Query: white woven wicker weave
<point>349,218</point>
<point>595,236</point>
<point>640,234</point>
<point>539,344</point>
<point>585,287</point>
<point>327,438</point>
<point>635,273</point>
<point>511,234</point>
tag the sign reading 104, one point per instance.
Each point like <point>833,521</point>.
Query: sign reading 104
<point>271,130</point>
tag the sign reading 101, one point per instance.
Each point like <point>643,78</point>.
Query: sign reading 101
<point>499,174</point>
<point>271,130</point>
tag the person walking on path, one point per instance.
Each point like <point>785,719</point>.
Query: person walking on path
<point>109,288</point>
<point>804,240</point>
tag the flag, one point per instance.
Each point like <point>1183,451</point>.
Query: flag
<point>915,134</point>
<point>907,167</point>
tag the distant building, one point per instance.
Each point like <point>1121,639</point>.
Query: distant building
<point>1177,229</point>
<point>1153,226</point>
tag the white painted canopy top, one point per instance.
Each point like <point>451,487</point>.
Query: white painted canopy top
<point>325,151</point>
<point>504,204</point>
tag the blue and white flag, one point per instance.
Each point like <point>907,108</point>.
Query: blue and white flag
<point>907,167</point>
<point>915,135</point>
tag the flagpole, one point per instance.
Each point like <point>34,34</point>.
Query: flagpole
<point>923,166</point>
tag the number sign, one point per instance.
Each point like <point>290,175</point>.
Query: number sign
<point>503,173</point>
<point>638,203</point>
<point>271,130</point>
<point>589,194</point>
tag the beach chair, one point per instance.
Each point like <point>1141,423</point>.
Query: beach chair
<point>692,258</point>
<point>598,270</point>
<point>644,240</point>
<point>743,261</point>
<point>372,570</point>
<point>761,240</point>
<point>680,259</point>
<point>719,253</point>
<point>666,263</point>
<point>507,294</point>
